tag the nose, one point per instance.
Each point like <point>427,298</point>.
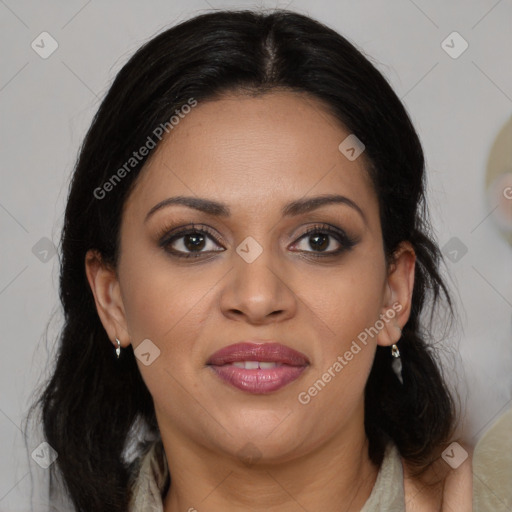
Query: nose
<point>258,292</point>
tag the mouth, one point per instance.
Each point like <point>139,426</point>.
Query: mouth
<point>258,368</point>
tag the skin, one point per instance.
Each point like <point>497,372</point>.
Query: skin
<point>256,154</point>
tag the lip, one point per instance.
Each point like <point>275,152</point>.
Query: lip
<point>289,366</point>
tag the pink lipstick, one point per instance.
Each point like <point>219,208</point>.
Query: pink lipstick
<point>258,367</point>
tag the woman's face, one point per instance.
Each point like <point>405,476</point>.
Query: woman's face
<point>256,164</point>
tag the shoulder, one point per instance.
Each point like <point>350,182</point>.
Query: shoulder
<point>444,486</point>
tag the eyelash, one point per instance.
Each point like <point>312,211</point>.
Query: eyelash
<point>346,242</point>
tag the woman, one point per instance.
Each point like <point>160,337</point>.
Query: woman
<point>245,258</point>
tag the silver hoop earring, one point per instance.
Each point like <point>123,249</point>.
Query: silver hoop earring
<point>118,348</point>
<point>396,364</point>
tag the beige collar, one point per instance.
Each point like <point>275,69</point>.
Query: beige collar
<point>152,482</point>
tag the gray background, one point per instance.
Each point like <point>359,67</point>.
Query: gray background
<point>457,105</point>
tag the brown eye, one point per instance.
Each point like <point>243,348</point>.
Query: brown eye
<point>325,241</point>
<point>190,243</point>
<point>319,241</point>
<point>194,241</point>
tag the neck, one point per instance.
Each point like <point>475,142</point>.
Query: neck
<point>339,475</point>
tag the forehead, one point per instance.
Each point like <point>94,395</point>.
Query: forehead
<point>254,152</point>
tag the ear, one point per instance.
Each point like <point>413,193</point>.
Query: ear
<point>107,296</point>
<point>398,294</point>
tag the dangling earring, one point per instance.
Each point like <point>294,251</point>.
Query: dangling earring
<point>118,348</point>
<point>396,364</point>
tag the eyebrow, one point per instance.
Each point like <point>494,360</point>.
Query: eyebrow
<point>293,208</point>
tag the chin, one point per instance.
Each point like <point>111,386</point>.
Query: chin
<point>262,439</point>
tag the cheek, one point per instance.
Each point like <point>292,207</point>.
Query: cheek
<point>168,308</point>
<point>349,305</point>
<point>161,303</point>
<point>351,300</point>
